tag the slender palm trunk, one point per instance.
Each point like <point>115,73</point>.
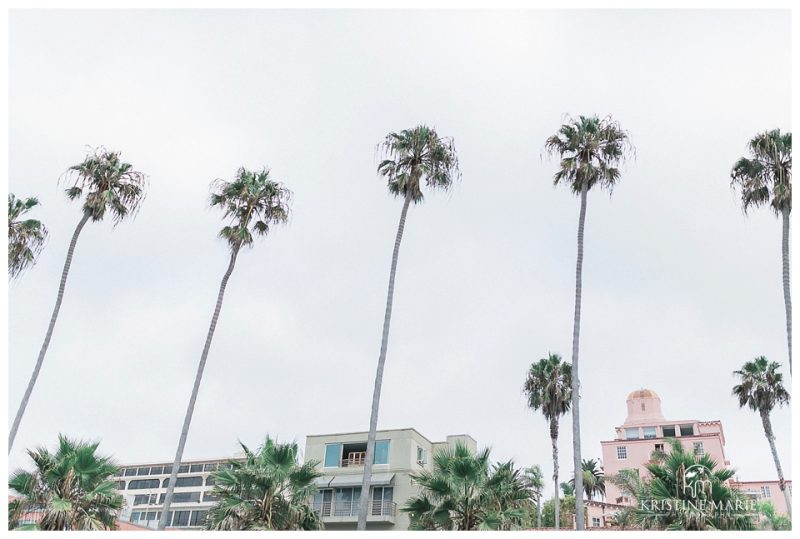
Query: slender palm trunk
<point>554,444</point>
<point>765,421</point>
<point>787,296</point>
<point>363,505</point>
<point>32,382</point>
<point>576,381</point>
<point>195,389</point>
<point>539,510</point>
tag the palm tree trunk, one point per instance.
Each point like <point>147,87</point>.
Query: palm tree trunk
<point>576,384</point>
<point>539,510</point>
<point>787,296</point>
<point>765,421</point>
<point>554,444</point>
<point>363,505</point>
<point>162,522</point>
<point>32,382</point>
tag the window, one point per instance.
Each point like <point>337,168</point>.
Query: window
<point>151,517</point>
<point>169,518</point>
<point>333,452</point>
<point>595,522</point>
<point>668,432</point>
<point>181,518</point>
<point>145,499</point>
<point>765,493</point>
<point>660,447</point>
<point>156,470</point>
<point>209,467</point>
<point>421,457</point>
<point>130,471</point>
<point>120,485</point>
<point>632,434</point>
<point>622,452</point>
<point>382,452</point>
<point>698,449</point>
<point>210,481</point>
<point>191,481</point>
<point>143,471</point>
<point>196,468</point>
<point>182,497</point>
<point>198,518</point>
<point>138,484</point>
<point>183,468</point>
<point>382,498</point>
<point>208,497</point>
<point>135,516</point>
<point>687,430</point>
<point>346,501</point>
<point>649,433</point>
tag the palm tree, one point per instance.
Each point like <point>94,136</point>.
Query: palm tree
<point>593,479</point>
<point>688,492</point>
<point>766,178</point>
<point>267,490</point>
<point>105,184</point>
<point>26,237</point>
<point>534,481</point>
<point>590,150</point>
<point>548,388</point>
<point>252,202</point>
<point>761,388</point>
<point>772,520</point>
<point>465,492</point>
<point>70,489</point>
<point>413,157</point>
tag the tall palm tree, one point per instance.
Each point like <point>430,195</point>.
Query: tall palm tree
<point>26,237</point>
<point>594,483</point>
<point>534,481</point>
<point>267,490</point>
<point>590,150</point>
<point>70,489</point>
<point>548,388</point>
<point>766,178</point>
<point>105,184</point>
<point>465,492</point>
<point>252,202</point>
<point>760,388</point>
<point>413,157</point>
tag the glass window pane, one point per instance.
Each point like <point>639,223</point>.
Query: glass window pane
<point>382,452</point>
<point>130,471</point>
<point>184,468</point>
<point>196,468</point>
<point>143,471</point>
<point>687,430</point>
<point>198,518</point>
<point>649,433</point>
<point>632,434</point>
<point>209,467</point>
<point>333,453</point>
<point>155,470</point>
<point>669,432</point>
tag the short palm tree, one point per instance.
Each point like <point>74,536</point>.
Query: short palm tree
<point>252,203</point>
<point>594,483</point>
<point>70,489</point>
<point>534,481</point>
<point>106,184</point>
<point>590,150</point>
<point>760,388</point>
<point>548,388</point>
<point>26,237</point>
<point>267,490</point>
<point>413,157</point>
<point>766,178</point>
<point>465,492</point>
<point>688,492</point>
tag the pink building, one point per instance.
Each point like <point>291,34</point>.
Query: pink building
<point>644,432</point>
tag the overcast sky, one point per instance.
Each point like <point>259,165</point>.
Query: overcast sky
<point>680,288</point>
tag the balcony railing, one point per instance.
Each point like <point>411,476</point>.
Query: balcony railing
<point>356,458</point>
<point>378,508</point>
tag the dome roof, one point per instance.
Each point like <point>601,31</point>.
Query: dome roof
<point>643,394</point>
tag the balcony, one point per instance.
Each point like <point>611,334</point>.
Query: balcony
<point>354,458</point>
<point>347,511</point>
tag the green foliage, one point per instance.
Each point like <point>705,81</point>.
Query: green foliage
<point>594,483</point>
<point>590,149</point>
<point>26,237</point>
<point>771,520</point>
<point>766,177</point>
<point>106,184</point>
<point>761,386</point>
<point>568,489</point>
<point>566,513</point>
<point>685,492</point>
<point>67,490</point>
<point>253,202</point>
<point>268,490</point>
<point>548,386</point>
<point>465,492</point>
<point>416,155</point>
